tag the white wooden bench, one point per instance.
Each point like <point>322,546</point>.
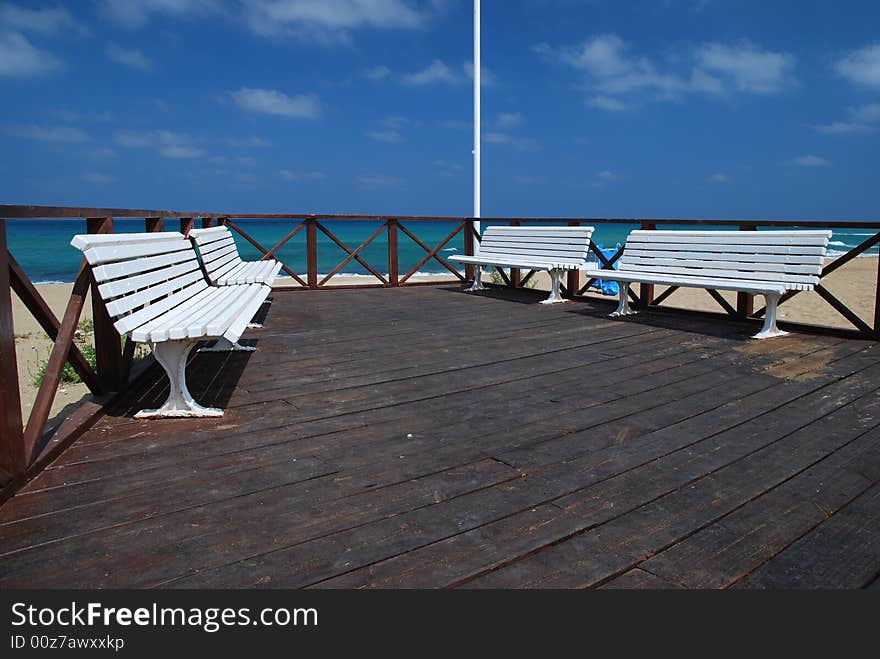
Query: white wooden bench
<point>767,263</point>
<point>154,287</point>
<point>554,249</point>
<point>223,264</point>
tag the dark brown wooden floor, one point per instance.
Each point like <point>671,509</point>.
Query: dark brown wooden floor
<point>424,437</point>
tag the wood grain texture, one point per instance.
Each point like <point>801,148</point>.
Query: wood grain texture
<point>560,449</point>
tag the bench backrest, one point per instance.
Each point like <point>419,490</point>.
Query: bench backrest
<point>216,246</point>
<point>539,244</point>
<point>142,275</point>
<point>791,258</point>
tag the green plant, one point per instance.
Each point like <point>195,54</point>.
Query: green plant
<point>68,374</point>
<point>86,326</point>
<point>497,279</point>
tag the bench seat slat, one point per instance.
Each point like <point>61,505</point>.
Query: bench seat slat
<point>128,285</point>
<point>110,271</point>
<point>746,265</point>
<point>128,303</point>
<point>717,238</point>
<point>209,248</point>
<point>720,273</point>
<point>733,249</point>
<point>793,259</point>
<point>223,263</point>
<point>139,318</point>
<point>107,253</point>
<point>155,329</point>
<point>259,293</point>
<point>205,236</point>
<point>744,285</point>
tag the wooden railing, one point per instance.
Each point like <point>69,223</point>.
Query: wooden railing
<point>25,445</point>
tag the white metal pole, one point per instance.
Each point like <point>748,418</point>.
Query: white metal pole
<point>477,71</point>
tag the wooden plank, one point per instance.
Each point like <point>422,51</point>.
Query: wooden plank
<point>843,552</point>
<point>38,308</point>
<point>108,344</point>
<point>744,540</point>
<point>13,457</point>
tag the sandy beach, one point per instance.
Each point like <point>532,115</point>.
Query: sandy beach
<point>854,284</point>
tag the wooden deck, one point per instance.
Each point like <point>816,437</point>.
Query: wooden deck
<point>423,437</point>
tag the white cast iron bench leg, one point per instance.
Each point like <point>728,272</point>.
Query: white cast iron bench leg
<point>172,356</point>
<point>770,330</point>
<point>623,308</point>
<point>478,280</point>
<point>555,281</point>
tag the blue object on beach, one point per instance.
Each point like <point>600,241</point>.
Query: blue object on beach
<point>603,286</point>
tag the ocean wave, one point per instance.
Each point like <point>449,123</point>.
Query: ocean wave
<point>838,243</point>
<point>451,249</point>
<point>50,282</point>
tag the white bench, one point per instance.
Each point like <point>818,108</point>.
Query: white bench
<point>154,287</point>
<point>554,249</point>
<point>767,263</point>
<point>223,264</point>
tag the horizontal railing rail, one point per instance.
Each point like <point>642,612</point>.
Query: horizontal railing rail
<point>24,442</point>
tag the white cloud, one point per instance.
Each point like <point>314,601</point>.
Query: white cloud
<point>810,161</point>
<point>379,182</point>
<point>750,68</point>
<point>862,66</point>
<point>97,178</point>
<point>301,177</point>
<point>166,143</point>
<point>519,143</point>
<point>331,21</point>
<point>436,72</point>
<point>244,161</point>
<point>377,73</point>
<point>608,103</point>
<point>63,134</point>
<point>129,57</point>
<point>250,142</point>
<point>20,58</point>
<point>719,178</point>
<point>45,21</point>
<point>270,101</point>
<point>448,169</point>
<point>509,119</point>
<point>389,136</point>
<point>487,78</point>
<point>843,127</point>
<point>137,13</point>
<point>607,175</point>
<point>869,113</point>
<point>861,120</point>
<point>617,78</point>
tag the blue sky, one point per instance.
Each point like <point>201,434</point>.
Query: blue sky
<point>592,108</point>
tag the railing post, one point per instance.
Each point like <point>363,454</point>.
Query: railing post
<point>186,225</point>
<point>221,221</point>
<point>208,222</point>
<point>877,304</point>
<point>646,291</point>
<point>514,272</point>
<point>12,454</point>
<point>469,247</point>
<point>312,252</point>
<point>745,302</point>
<point>393,265</point>
<point>108,344</point>
<point>154,224</point>
<point>573,277</point>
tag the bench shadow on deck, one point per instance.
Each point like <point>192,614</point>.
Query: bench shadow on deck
<point>423,437</point>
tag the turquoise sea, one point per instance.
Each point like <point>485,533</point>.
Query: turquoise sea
<point>43,248</point>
